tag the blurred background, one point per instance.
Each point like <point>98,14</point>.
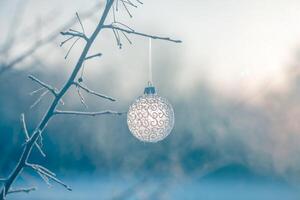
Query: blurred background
<point>234,84</point>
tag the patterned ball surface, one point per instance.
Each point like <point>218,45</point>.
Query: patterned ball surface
<point>150,118</point>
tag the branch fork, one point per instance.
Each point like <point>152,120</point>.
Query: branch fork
<point>27,137</point>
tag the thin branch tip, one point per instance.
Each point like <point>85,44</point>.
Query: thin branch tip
<point>86,89</point>
<point>26,190</point>
<point>93,56</point>
<point>47,175</point>
<point>129,31</point>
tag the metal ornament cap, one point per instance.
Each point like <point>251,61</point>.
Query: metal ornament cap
<point>150,117</point>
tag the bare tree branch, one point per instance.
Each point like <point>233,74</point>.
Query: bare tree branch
<point>24,128</point>
<point>37,90</point>
<point>127,10</point>
<point>141,34</point>
<point>45,85</point>
<point>93,56</point>
<point>66,40</point>
<point>82,27</point>
<point>93,92</point>
<point>46,174</point>
<point>81,97</point>
<point>72,34</point>
<point>39,99</point>
<point>66,56</point>
<point>26,190</point>
<point>93,114</point>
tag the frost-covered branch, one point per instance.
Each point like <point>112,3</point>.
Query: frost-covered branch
<point>45,85</point>
<point>86,89</point>
<point>47,175</point>
<point>50,112</point>
<point>93,114</point>
<point>26,190</point>
<point>24,128</point>
<point>74,34</point>
<point>93,56</point>
<point>113,27</point>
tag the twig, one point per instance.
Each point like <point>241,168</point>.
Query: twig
<point>66,56</point>
<point>93,114</point>
<point>79,35</point>
<point>45,85</point>
<point>86,89</point>
<point>81,97</point>
<point>117,38</point>
<point>24,128</point>
<point>139,2</point>
<point>93,56</point>
<point>26,190</point>
<point>126,26</point>
<point>80,22</point>
<point>141,34</point>
<point>128,12</point>
<point>117,5</point>
<point>36,91</point>
<point>129,41</point>
<point>72,30</point>
<point>66,40</point>
<point>47,175</point>
<point>39,99</point>
<point>130,3</point>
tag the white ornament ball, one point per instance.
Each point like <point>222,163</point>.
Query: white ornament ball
<point>150,118</point>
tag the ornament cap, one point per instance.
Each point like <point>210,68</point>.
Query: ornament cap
<point>150,90</point>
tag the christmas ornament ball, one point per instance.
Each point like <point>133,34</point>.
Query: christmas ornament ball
<point>150,117</point>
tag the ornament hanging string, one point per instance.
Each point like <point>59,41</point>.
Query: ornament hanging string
<point>150,81</point>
